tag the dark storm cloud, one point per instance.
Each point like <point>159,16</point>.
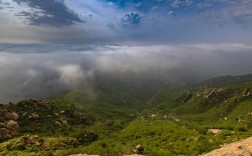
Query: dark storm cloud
<point>40,71</point>
<point>50,12</point>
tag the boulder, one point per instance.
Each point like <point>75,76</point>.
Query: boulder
<point>12,126</point>
<point>2,125</point>
<point>8,115</point>
<point>33,116</point>
<point>4,133</point>
<point>139,149</point>
<point>11,115</point>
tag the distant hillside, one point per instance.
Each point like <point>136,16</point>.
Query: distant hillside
<point>226,80</point>
<point>112,118</point>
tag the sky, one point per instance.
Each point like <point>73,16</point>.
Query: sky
<point>125,21</point>
<point>51,46</point>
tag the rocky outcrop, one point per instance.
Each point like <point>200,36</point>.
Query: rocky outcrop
<point>4,133</point>
<point>10,127</point>
<point>184,96</point>
<point>240,148</point>
<point>226,92</point>
<point>32,140</point>
<point>34,105</point>
<point>35,140</point>
<point>8,115</point>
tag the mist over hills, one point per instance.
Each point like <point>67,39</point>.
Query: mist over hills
<point>114,115</point>
<point>41,71</point>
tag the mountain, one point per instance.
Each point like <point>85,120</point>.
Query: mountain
<point>115,117</point>
<point>226,80</point>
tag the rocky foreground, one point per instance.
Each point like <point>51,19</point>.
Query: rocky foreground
<point>240,148</point>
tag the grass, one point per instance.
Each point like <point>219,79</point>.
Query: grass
<point>99,122</point>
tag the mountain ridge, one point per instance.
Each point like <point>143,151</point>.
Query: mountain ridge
<point>112,120</point>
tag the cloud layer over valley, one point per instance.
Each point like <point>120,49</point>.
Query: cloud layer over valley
<point>35,72</point>
<point>51,46</point>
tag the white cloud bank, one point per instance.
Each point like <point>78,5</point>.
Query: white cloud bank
<point>40,71</point>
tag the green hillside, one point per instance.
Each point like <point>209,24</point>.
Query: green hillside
<point>111,119</point>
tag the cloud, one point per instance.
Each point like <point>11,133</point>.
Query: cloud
<point>72,74</point>
<point>182,3</point>
<point>53,21</point>
<point>40,71</point>
<point>129,20</point>
<point>172,13</point>
<point>49,12</point>
<point>111,3</point>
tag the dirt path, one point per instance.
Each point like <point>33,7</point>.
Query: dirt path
<point>240,148</point>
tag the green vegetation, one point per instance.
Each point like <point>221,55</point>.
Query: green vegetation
<point>111,120</point>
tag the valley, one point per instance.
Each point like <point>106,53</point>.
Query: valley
<point>111,120</point>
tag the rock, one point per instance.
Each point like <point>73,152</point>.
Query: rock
<point>214,131</point>
<point>31,140</point>
<point>184,96</point>
<point>57,123</point>
<point>2,125</point>
<point>62,144</point>
<point>64,121</point>
<point>8,115</point>
<point>9,128</point>
<point>46,144</point>
<point>4,133</point>
<point>56,114</point>
<point>24,114</point>
<point>248,94</point>
<point>37,143</point>
<point>12,126</point>
<point>139,149</point>
<point>240,148</point>
<point>11,116</point>
<point>34,115</point>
